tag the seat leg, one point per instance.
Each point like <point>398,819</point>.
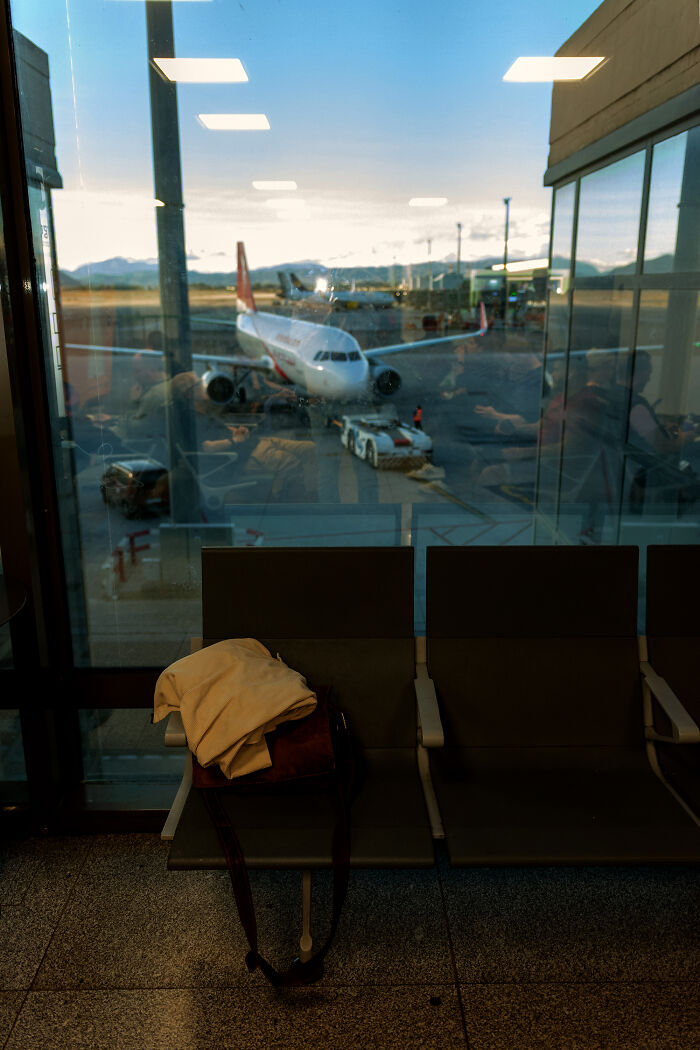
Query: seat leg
<point>305,941</point>
<point>183,791</point>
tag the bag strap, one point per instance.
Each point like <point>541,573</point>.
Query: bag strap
<point>299,972</point>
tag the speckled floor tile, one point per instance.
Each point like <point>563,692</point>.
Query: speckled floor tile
<point>25,934</point>
<point>392,929</point>
<point>10,1004</point>
<point>29,866</point>
<point>126,906</point>
<point>571,924</point>
<point>664,1016</point>
<point>143,856</point>
<point>44,872</point>
<point>296,1019</point>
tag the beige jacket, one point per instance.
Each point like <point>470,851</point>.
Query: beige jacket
<point>229,695</point>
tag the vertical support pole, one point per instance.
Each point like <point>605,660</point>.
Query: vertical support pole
<point>172,265</point>
<point>305,941</point>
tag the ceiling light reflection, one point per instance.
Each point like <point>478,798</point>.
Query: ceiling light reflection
<point>202,70</point>
<point>234,121</point>
<point>545,69</point>
<point>274,184</point>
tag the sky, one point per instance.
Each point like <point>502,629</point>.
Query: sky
<point>369,104</point>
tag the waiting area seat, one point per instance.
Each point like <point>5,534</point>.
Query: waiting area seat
<point>534,655</point>
<point>673,639</point>
<point>344,618</point>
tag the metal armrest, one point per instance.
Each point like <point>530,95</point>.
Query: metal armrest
<point>429,724</point>
<point>685,730</point>
<point>175,731</point>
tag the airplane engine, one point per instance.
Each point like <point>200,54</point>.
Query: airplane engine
<point>219,387</point>
<point>387,381</point>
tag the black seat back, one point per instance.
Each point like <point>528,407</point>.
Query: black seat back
<point>673,619</point>
<point>343,616</point>
<point>535,646</point>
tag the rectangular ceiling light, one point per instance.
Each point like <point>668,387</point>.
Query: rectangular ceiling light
<point>202,70</point>
<point>545,70</point>
<point>427,202</point>
<point>234,121</point>
<point>274,184</point>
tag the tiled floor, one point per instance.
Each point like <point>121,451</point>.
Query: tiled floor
<point>104,949</point>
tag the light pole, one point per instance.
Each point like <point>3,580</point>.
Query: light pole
<point>506,201</point>
<point>459,266</point>
<point>430,272</point>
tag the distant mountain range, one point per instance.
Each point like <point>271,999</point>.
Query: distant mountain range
<point>143,273</point>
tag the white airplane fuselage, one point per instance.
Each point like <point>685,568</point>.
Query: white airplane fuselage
<point>326,361</point>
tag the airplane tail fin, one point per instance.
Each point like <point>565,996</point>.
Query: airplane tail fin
<point>244,293</point>
<point>289,291</point>
<point>297,283</point>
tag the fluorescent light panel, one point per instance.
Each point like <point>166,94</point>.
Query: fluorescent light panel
<point>274,184</point>
<point>234,121</point>
<point>546,69</point>
<point>202,70</point>
<point>427,202</point>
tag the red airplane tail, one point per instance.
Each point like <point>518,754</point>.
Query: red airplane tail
<point>244,293</point>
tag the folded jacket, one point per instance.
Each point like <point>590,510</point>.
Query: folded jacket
<point>229,695</point>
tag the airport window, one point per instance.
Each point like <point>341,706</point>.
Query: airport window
<point>673,229</point>
<point>608,218</point>
<point>169,218</point>
<point>620,463</point>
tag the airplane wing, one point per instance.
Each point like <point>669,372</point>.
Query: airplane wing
<point>425,344</point>
<point>254,364</point>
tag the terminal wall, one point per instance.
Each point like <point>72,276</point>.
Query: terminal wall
<point>652,48</point>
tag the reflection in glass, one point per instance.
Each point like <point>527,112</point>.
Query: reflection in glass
<point>562,230</point>
<point>673,226</point>
<point>12,767</point>
<point>663,451</point>
<point>597,398</point>
<point>608,221</point>
<point>122,746</point>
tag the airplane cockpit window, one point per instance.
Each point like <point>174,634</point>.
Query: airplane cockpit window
<point>524,336</point>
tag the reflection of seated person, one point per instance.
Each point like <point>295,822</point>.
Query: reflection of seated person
<point>292,464</point>
<point>455,383</point>
<point>548,428</point>
<point>646,429</point>
<point>147,369</point>
<point>656,446</point>
<point>545,432</point>
<point>91,436</point>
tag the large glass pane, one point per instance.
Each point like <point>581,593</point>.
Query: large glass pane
<point>206,394</point>
<point>672,241</point>
<point>608,218</point>
<point>663,446</point>
<point>597,400</point>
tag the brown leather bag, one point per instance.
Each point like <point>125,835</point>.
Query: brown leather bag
<point>310,754</point>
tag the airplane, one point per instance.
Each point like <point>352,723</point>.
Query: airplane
<point>326,361</point>
<point>293,290</point>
